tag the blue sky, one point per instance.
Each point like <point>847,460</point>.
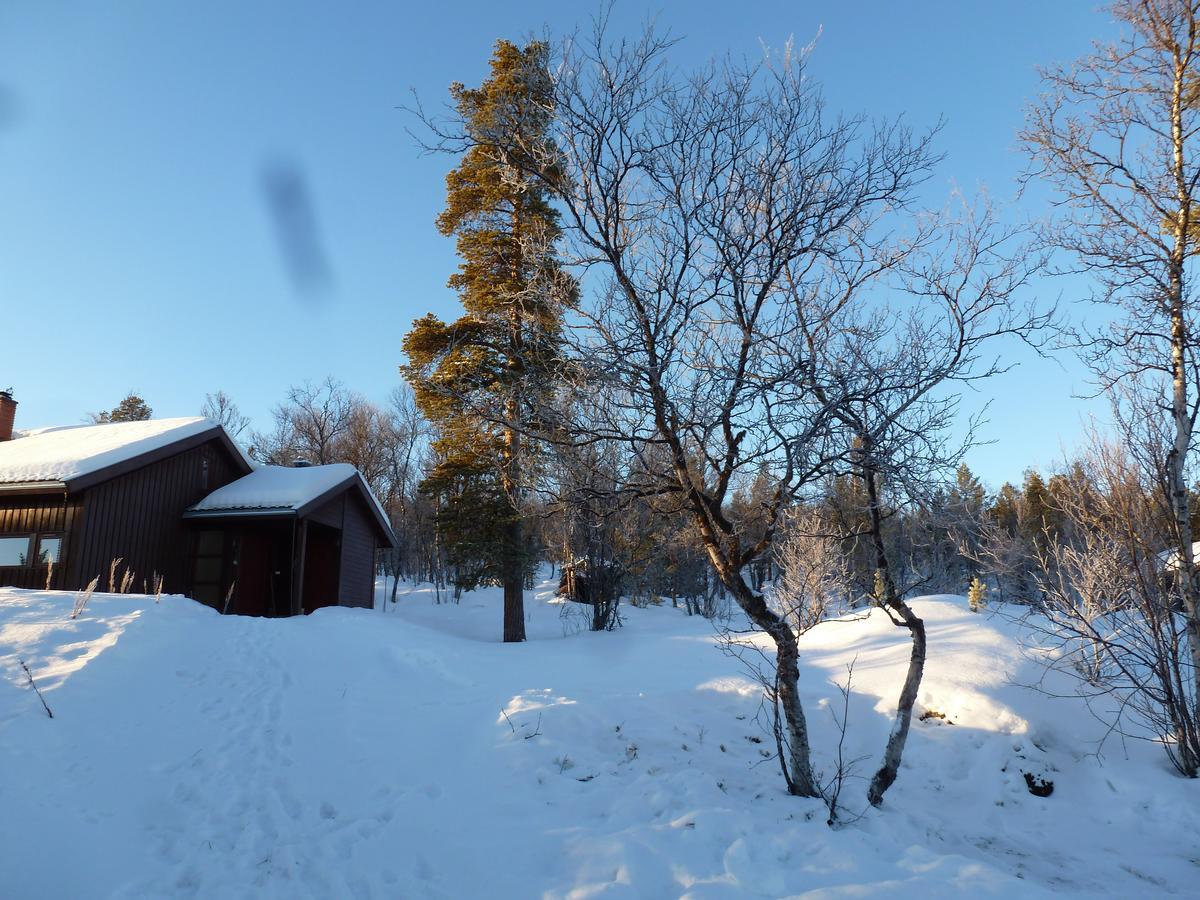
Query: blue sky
<point>136,250</point>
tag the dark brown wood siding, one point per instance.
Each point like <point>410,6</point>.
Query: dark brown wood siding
<point>329,513</point>
<point>356,575</point>
<point>33,515</point>
<point>357,586</point>
<point>137,518</point>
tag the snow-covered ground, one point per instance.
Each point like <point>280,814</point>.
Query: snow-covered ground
<point>406,753</point>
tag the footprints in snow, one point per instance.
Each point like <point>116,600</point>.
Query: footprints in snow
<point>231,820</point>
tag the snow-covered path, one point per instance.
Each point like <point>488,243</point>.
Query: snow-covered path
<point>405,753</point>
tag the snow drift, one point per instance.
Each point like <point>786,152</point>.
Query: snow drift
<point>358,753</point>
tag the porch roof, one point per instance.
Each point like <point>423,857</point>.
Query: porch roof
<point>288,491</point>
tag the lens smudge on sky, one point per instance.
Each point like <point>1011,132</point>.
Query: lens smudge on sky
<point>293,214</point>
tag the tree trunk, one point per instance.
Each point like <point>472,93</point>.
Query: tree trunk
<point>1180,339</point>
<point>514,586</point>
<point>1176,462</point>
<point>892,754</point>
<point>787,670</point>
<point>902,615</point>
<point>797,755</point>
<point>514,568</point>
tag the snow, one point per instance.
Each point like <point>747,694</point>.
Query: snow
<point>277,487</point>
<point>1170,558</point>
<point>361,753</point>
<point>64,453</point>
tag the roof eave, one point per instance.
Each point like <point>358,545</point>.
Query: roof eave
<point>356,480</point>
<point>325,496</point>
<point>33,487</point>
<point>353,480</point>
<point>265,512</point>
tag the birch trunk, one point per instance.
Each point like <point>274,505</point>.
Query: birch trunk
<point>903,616</point>
<point>798,763</point>
<point>1180,402</point>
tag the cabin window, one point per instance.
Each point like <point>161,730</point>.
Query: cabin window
<point>49,549</point>
<point>14,550</point>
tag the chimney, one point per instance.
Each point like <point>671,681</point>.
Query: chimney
<point>8,413</point>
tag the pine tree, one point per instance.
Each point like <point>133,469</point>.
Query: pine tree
<point>1040,517</point>
<point>480,379</point>
<point>964,513</point>
<point>967,489</point>
<point>1006,508</point>
<point>132,409</point>
<point>748,508</point>
<point>845,506</point>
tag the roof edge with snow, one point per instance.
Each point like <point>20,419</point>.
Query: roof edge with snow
<point>281,491</point>
<point>72,459</point>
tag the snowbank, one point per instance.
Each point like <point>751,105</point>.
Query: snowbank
<point>357,753</point>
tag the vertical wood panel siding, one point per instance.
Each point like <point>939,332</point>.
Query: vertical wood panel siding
<point>39,514</point>
<point>357,587</point>
<point>356,572</point>
<point>137,517</point>
<point>329,513</point>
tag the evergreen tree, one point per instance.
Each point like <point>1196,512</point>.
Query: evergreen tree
<point>132,409</point>
<point>1040,517</point>
<point>967,489</point>
<point>749,508</point>
<point>1006,508</point>
<point>480,379</point>
<point>844,506</point>
<point>1063,488</point>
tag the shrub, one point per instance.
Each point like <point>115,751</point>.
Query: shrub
<point>977,595</point>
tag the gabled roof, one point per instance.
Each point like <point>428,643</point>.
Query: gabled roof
<point>75,457</point>
<point>286,491</point>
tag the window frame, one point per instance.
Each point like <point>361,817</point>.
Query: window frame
<point>54,536</point>
<point>28,536</point>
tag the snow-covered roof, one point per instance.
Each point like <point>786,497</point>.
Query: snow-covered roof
<point>73,451</point>
<point>1170,557</point>
<point>282,490</point>
<point>278,488</point>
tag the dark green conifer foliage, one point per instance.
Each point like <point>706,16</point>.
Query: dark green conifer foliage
<point>1006,508</point>
<point>1041,519</point>
<point>480,379</point>
<point>967,489</point>
<point>132,409</point>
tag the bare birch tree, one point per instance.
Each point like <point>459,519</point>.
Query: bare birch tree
<point>1116,135</point>
<point>220,408</point>
<point>731,228</point>
<point>1112,599</point>
<point>308,425</point>
<point>814,581</point>
<point>694,201</point>
<point>897,360</point>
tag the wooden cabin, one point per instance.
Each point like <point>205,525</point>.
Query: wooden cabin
<point>175,499</point>
<point>282,541</point>
<point>73,500</point>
